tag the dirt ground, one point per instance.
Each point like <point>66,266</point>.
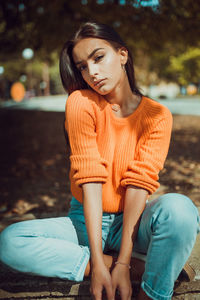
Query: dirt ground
<point>34,163</point>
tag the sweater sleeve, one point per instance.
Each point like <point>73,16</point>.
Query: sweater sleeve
<point>150,155</point>
<point>86,163</point>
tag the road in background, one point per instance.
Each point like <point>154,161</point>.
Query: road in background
<point>180,106</point>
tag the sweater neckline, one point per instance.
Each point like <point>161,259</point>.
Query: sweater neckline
<point>129,117</point>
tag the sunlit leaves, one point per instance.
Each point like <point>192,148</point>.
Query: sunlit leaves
<point>187,66</point>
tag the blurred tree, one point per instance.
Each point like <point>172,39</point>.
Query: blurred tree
<point>45,27</point>
<point>186,66</point>
<point>155,32</point>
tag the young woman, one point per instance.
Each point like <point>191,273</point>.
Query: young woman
<point>119,140</point>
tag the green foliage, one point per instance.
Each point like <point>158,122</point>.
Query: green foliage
<point>186,66</point>
<point>157,33</point>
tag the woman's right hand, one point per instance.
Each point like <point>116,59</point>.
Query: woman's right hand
<point>101,278</point>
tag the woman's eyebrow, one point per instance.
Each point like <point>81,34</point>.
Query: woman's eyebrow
<point>90,55</point>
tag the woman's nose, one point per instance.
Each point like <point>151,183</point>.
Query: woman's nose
<point>93,70</point>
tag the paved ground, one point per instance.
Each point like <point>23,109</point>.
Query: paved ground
<point>182,106</point>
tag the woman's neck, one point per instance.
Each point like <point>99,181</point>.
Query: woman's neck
<point>124,97</point>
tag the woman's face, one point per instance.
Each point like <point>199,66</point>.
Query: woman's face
<point>100,64</point>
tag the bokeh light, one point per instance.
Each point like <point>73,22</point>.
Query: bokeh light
<point>27,53</point>
<point>1,70</point>
<point>17,91</point>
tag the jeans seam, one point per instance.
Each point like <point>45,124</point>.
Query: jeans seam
<point>151,293</point>
<point>78,272</point>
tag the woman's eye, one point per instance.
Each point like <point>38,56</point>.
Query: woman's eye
<point>98,58</point>
<point>82,68</point>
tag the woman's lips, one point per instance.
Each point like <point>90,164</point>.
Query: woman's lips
<point>99,82</point>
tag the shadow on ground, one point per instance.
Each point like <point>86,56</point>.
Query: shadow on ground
<point>34,163</point>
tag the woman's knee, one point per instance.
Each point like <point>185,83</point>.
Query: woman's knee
<point>179,206</point>
<point>179,214</point>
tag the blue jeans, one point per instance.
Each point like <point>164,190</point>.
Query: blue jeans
<point>59,247</point>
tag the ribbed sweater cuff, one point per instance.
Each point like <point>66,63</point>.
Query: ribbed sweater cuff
<point>80,181</point>
<point>150,187</point>
<point>86,169</point>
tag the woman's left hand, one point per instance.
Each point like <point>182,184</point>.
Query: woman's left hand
<point>121,282</point>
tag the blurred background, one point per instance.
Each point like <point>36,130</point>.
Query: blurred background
<point>164,38</point>
<point>162,34</point>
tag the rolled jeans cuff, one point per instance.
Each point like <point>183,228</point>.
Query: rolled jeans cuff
<point>80,267</point>
<point>154,295</point>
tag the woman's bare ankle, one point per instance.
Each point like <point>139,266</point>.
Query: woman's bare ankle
<point>87,270</point>
<point>108,260</point>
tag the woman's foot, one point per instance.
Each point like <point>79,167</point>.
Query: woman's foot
<point>187,273</point>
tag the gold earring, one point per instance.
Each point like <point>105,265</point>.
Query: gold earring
<point>123,67</point>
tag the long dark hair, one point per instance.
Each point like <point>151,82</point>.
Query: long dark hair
<point>71,77</point>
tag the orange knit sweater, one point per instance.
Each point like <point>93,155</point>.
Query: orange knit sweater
<point>115,151</point>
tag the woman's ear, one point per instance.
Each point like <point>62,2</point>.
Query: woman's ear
<point>123,52</point>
